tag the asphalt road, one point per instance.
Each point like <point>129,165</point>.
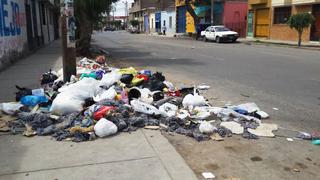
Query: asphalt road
<point>282,77</point>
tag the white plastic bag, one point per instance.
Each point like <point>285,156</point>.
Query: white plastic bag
<point>142,107</point>
<point>105,94</point>
<point>183,114</point>
<point>190,101</point>
<point>206,128</point>
<point>10,108</point>
<point>71,98</point>
<point>145,94</point>
<point>168,109</point>
<point>105,128</point>
<point>109,79</point>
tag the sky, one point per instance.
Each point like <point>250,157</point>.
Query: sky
<point>120,7</point>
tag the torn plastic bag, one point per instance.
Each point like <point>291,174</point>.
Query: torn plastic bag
<point>48,77</point>
<point>206,127</point>
<point>88,75</point>
<point>234,127</point>
<point>183,114</point>
<point>145,108</point>
<point>72,97</point>
<point>38,92</point>
<point>22,92</point>
<point>142,76</point>
<point>105,94</point>
<point>168,110</point>
<point>201,113</point>
<point>146,72</point>
<point>264,130</point>
<point>126,78</point>
<point>129,70</point>
<point>169,85</point>
<point>10,108</point>
<point>144,95</point>
<point>249,107</point>
<point>32,100</point>
<point>102,111</point>
<point>190,101</point>
<point>109,79</point>
<point>261,115</point>
<point>105,128</point>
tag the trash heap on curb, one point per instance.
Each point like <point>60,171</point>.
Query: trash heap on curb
<point>102,101</point>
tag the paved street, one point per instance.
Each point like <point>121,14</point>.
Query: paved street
<point>273,77</point>
<point>280,77</point>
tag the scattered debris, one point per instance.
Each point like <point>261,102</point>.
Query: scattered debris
<point>276,109</point>
<point>101,101</point>
<point>208,175</point>
<point>264,130</point>
<point>290,139</point>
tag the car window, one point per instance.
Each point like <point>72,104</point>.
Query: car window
<point>221,29</point>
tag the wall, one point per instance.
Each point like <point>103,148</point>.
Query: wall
<point>165,16</point>
<point>234,16</point>
<point>13,36</point>
<point>284,32</point>
<point>152,24</point>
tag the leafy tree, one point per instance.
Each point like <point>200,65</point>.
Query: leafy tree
<point>299,22</point>
<point>88,13</point>
<point>134,23</point>
<point>116,23</point>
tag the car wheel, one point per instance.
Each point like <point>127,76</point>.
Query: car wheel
<point>234,40</point>
<point>204,39</point>
<point>218,39</point>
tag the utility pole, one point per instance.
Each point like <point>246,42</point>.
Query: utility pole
<point>67,40</point>
<point>126,14</point>
<point>212,2</point>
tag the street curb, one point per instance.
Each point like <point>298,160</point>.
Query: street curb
<point>172,161</point>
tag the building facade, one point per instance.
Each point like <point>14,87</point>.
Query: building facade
<point>25,26</point>
<point>168,20</point>
<point>268,19</point>
<point>141,8</point>
<point>281,11</point>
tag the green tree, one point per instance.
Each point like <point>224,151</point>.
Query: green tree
<point>88,13</point>
<point>299,22</point>
<point>134,23</point>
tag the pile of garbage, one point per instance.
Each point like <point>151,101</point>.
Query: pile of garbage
<point>102,101</point>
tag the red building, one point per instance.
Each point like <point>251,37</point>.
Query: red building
<point>235,16</point>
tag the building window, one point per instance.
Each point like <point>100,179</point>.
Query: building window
<point>164,23</point>
<point>281,15</point>
<point>170,22</point>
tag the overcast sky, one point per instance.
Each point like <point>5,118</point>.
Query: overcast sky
<point>120,7</point>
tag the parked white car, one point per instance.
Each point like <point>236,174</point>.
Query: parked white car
<point>219,34</point>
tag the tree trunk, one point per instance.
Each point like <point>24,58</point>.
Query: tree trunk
<point>85,31</point>
<point>300,38</point>
<point>192,13</point>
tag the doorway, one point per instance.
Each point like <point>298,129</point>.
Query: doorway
<point>262,23</point>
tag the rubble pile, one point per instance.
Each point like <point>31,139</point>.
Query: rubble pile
<point>102,101</point>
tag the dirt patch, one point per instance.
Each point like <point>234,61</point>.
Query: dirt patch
<point>256,158</point>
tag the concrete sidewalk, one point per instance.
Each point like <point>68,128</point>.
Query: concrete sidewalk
<point>140,155</point>
<point>279,42</point>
